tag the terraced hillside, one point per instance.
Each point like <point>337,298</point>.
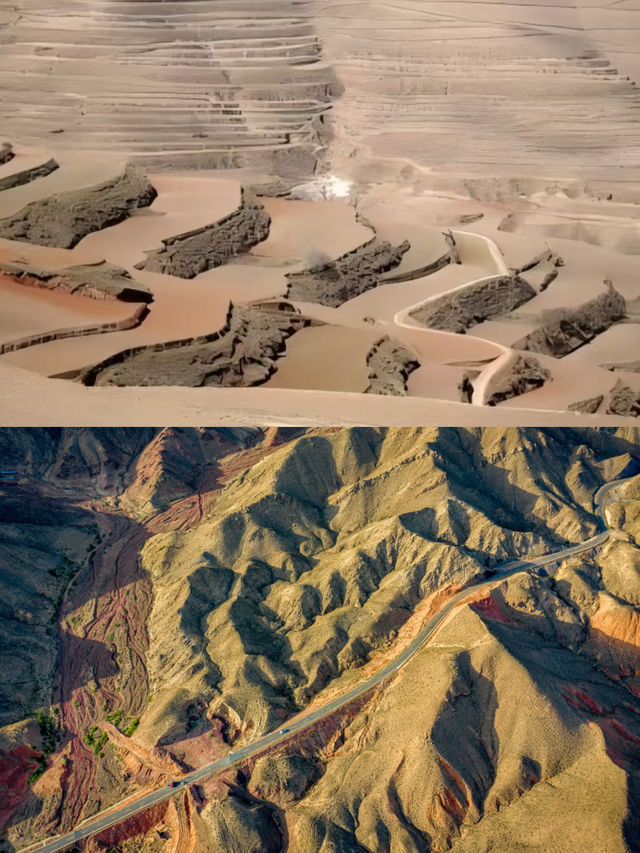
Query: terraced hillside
<point>219,581</point>
<point>482,90</point>
<point>219,80</point>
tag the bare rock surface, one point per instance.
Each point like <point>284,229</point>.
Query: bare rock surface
<point>587,407</point>
<point>98,281</point>
<point>6,152</point>
<point>335,282</point>
<point>566,330</point>
<point>241,354</point>
<point>188,255</point>
<point>468,306</point>
<point>519,375</point>
<point>63,219</point>
<point>17,179</point>
<point>542,270</point>
<point>623,400</point>
<point>390,365</point>
<point>629,366</point>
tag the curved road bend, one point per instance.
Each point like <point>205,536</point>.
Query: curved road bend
<point>501,571</point>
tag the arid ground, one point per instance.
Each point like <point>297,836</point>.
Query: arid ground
<point>171,595</point>
<point>416,212</point>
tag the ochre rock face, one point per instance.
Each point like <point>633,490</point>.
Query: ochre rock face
<point>179,592</point>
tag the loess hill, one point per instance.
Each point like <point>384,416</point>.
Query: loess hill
<point>215,582</point>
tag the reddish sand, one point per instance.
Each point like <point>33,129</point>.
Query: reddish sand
<point>32,311</point>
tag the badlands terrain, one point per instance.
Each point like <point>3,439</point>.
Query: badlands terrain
<point>432,202</point>
<point>169,596</point>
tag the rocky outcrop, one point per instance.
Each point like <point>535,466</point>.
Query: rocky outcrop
<point>282,778</point>
<point>629,366</point>
<point>519,375</point>
<point>390,365</point>
<point>468,306</point>
<point>335,282</point>
<point>465,386</point>
<point>623,401</point>
<point>130,322</point>
<point>187,255</point>
<point>565,330</point>
<point>63,219</point>
<point>587,407</point>
<point>241,354</point>
<point>6,152</point>
<point>451,256</point>
<point>542,270</point>
<point>28,175</point>
<point>97,281</point>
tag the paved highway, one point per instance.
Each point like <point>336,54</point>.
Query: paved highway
<point>499,572</point>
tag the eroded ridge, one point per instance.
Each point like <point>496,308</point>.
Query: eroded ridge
<point>188,255</point>
<point>390,365</point>
<point>565,330</point>
<point>242,353</point>
<point>474,303</point>
<point>63,219</point>
<point>519,375</point>
<point>25,176</point>
<point>97,281</point>
<point>332,283</point>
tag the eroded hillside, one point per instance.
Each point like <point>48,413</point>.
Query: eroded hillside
<point>225,580</point>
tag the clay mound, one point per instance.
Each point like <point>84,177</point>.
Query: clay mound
<point>188,255</point>
<point>241,354</point>
<point>62,220</point>
<point>390,365</point>
<point>97,281</point>
<point>335,282</point>
<point>566,330</point>
<point>468,306</point>
<point>519,375</point>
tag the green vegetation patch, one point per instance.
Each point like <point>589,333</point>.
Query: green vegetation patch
<point>96,739</point>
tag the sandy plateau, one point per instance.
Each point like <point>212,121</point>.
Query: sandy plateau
<point>316,206</point>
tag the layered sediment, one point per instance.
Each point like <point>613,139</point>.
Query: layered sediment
<point>97,281</point>
<point>390,365</point>
<point>333,283</point>
<point>468,306</point>
<point>130,322</point>
<point>63,219</point>
<point>220,84</point>
<point>565,330</point>
<point>241,354</point>
<point>188,255</point>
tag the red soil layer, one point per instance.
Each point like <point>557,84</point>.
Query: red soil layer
<point>136,825</point>
<point>583,702</point>
<point>489,608</point>
<point>15,768</point>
